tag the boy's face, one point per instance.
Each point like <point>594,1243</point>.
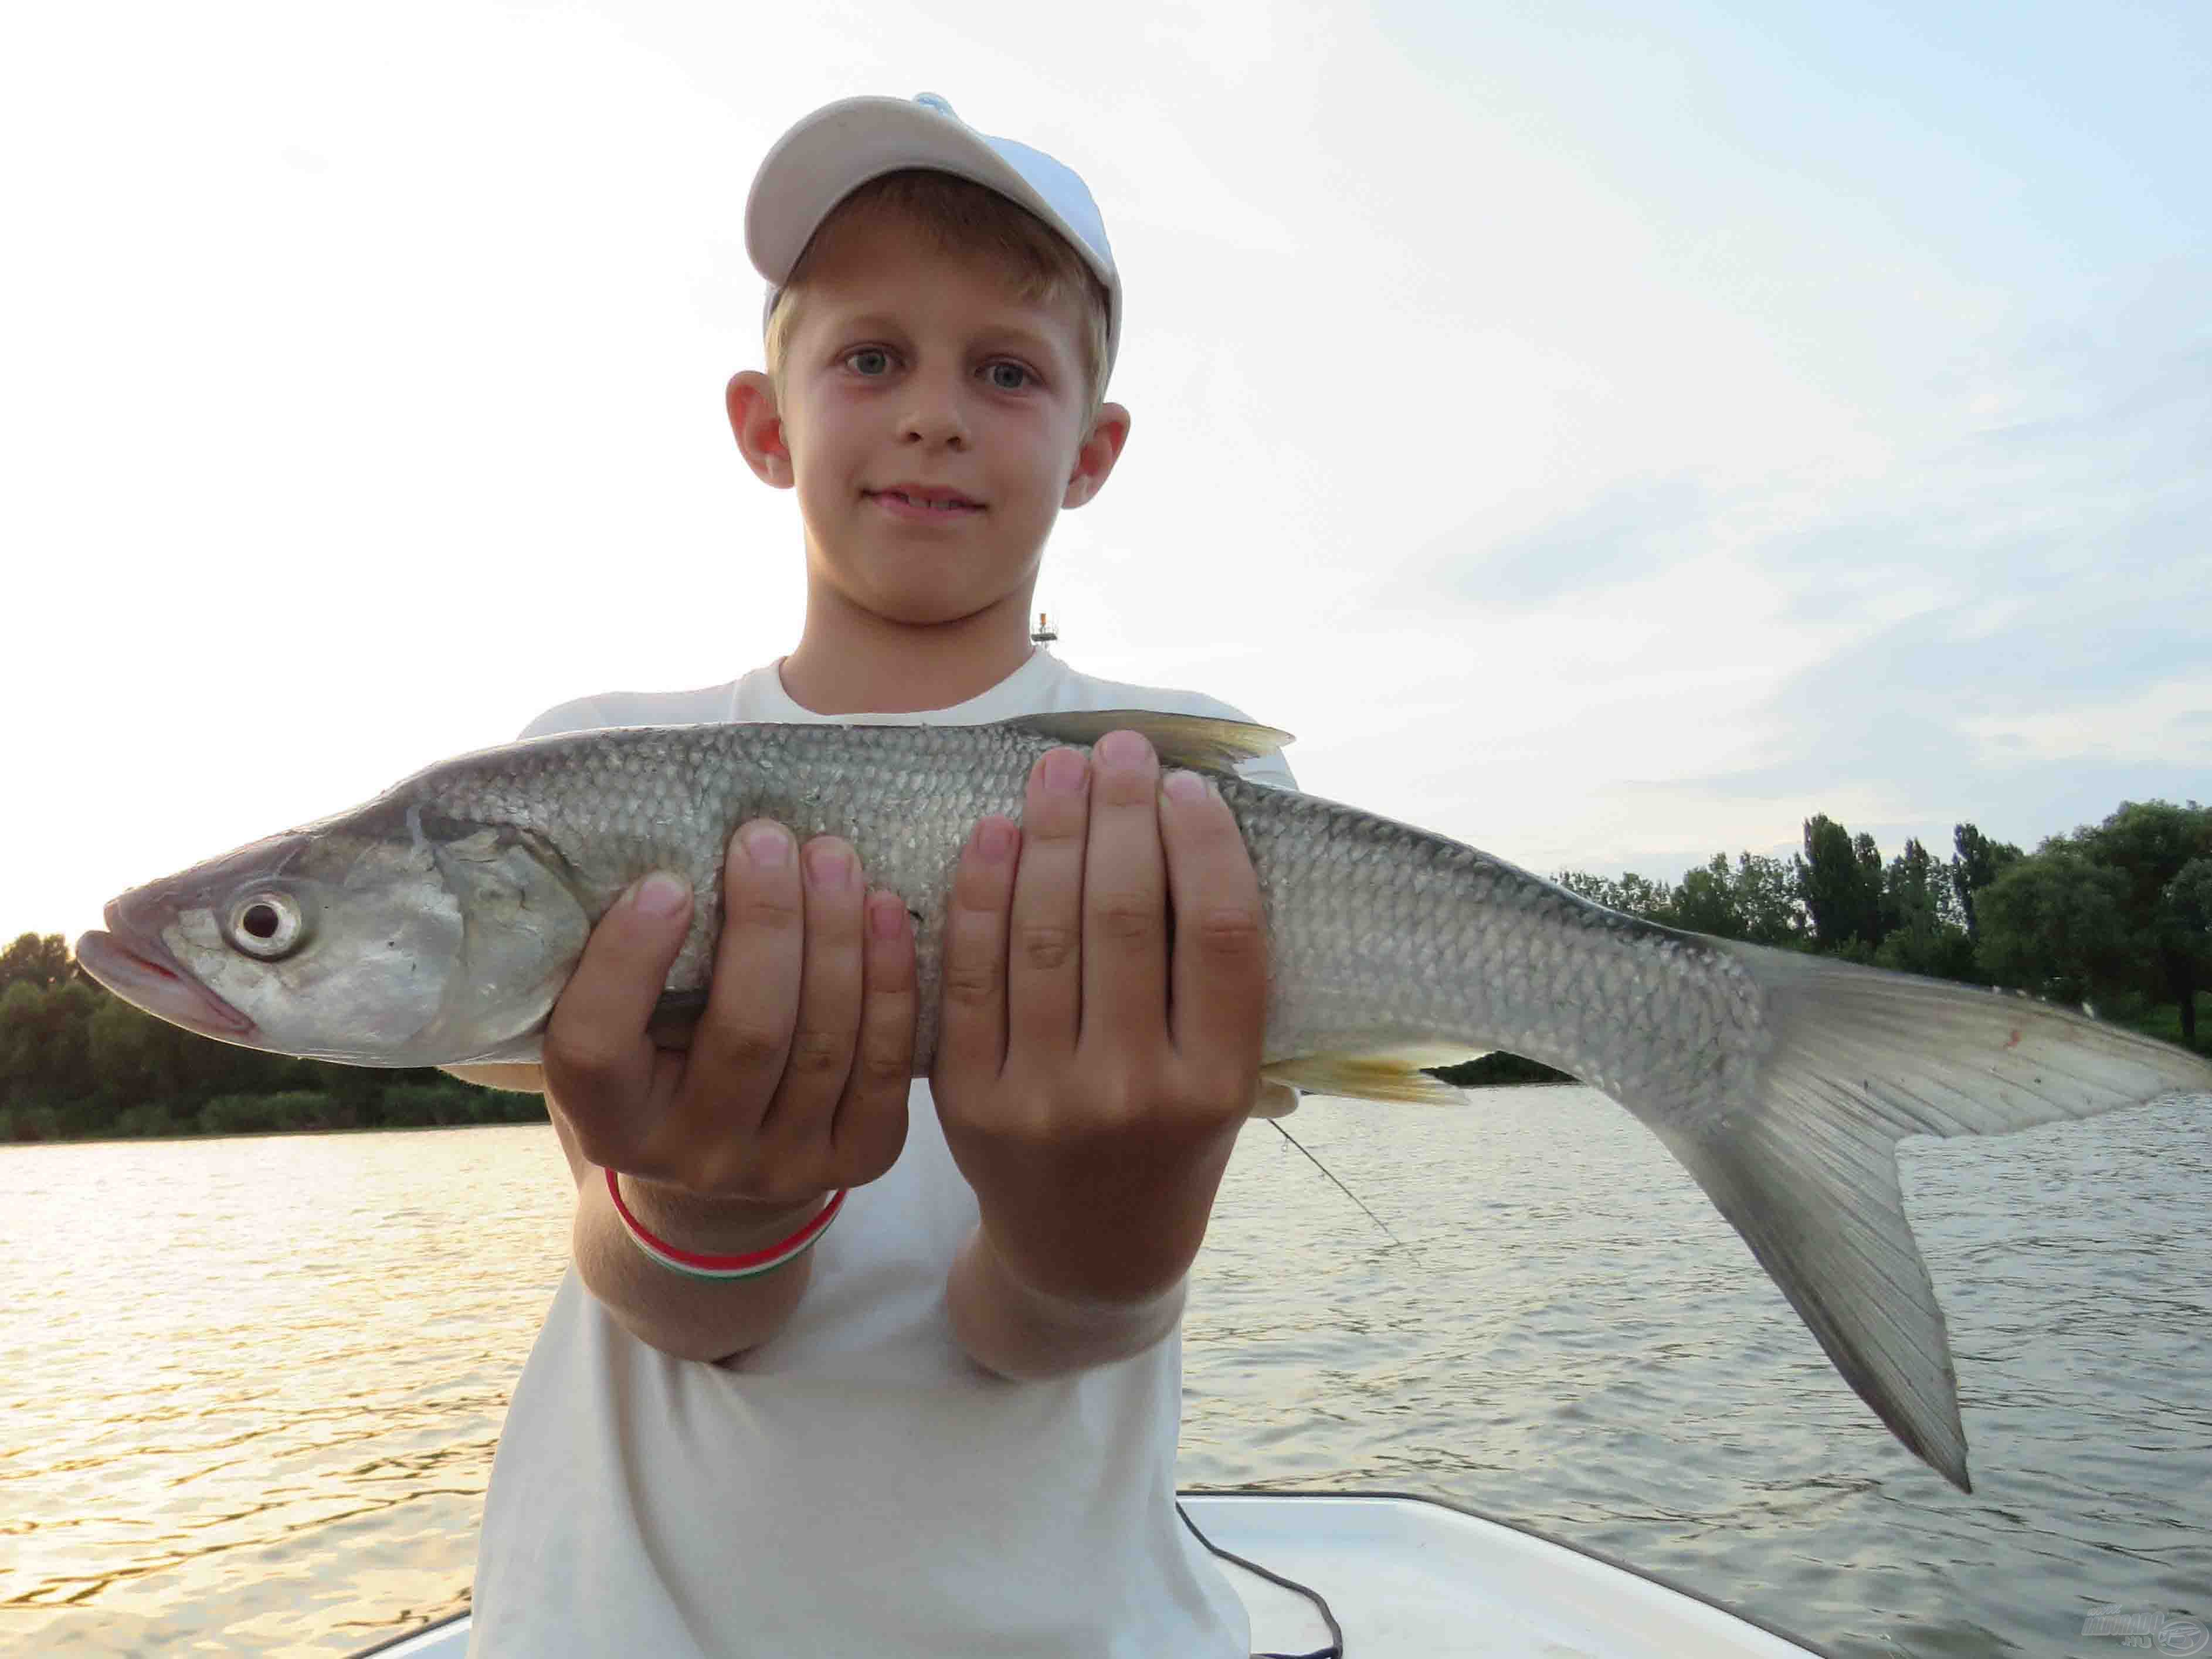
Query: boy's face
<point>933,422</point>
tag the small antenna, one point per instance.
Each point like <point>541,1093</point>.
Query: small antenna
<point>1043,633</point>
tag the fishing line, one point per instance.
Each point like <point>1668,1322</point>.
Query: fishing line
<point>1341,1186</point>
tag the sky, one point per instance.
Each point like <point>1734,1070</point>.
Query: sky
<point>1605,432</point>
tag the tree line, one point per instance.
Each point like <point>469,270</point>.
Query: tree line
<point>2116,916</point>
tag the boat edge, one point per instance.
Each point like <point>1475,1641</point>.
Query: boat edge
<point>1603,1557</point>
<point>1589,1551</point>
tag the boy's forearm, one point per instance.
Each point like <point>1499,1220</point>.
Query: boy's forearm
<point>692,1318</point>
<point>1024,1334</point>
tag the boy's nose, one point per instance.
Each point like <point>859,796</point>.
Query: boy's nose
<point>934,421</point>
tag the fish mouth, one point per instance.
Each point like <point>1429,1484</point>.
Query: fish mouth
<point>143,971</point>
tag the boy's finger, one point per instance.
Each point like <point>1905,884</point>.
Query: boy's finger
<point>805,1107</point>
<point>1220,967</point>
<point>737,1051</point>
<point>971,1044</point>
<point>1125,981</point>
<point>598,1060</point>
<point>1044,965</point>
<point>872,1119</point>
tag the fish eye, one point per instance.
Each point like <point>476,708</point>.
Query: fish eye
<point>267,925</point>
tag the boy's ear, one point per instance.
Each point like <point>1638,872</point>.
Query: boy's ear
<point>758,425</point>
<point>1109,431</point>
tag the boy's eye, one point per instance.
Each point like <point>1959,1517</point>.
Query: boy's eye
<point>869,360</point>
<point>1009,376</point>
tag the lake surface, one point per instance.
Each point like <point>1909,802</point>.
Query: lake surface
<point>249,1389</point>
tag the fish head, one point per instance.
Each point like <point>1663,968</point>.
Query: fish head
<point>397,939</point>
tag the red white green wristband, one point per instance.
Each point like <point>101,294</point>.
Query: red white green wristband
<point>751,1264</point>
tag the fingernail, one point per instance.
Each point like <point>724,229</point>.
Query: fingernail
<point>994,840</point>
<point>768,845</point>
<point>886,916</point>
<point>1064,772</point>
<point>1124,749</point>
<point>661,895</point>
<point>829,867</point>
<point>1183,786</point>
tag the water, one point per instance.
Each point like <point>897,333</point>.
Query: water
<point>249,1389</point>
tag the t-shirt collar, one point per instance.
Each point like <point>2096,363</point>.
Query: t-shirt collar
<point>1016,694</point>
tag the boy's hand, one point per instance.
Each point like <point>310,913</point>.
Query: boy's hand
<point>795,1081</point>
<point>1092,1072</point>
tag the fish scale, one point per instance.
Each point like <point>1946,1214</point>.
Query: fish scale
<point>437,924</point>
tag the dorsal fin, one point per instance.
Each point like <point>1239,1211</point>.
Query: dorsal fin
<point>1198,741</point>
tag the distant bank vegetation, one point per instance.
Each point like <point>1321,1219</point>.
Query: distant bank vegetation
<point>2116,915</point>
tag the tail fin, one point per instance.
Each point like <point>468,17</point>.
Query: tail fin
<point>1800,1152</point>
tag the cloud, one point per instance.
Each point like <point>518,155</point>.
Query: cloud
<point>1630,531</point>
<point>2003,621</point>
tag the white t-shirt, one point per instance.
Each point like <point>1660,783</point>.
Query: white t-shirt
<point>855,1486</point>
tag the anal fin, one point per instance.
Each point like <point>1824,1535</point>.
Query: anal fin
<point>1396,1075</point>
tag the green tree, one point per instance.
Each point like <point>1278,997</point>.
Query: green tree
<point>2188,900</point>
<point>134,1056</point>
<point>1909,889</point>
<point>1976,862</point>
<point>1704,901</point>
<point>1840,883</point>
<point>1921,934</point>
<point>1766,897</point>
<point>45,1050</point>
<point>1874,924</point>
<point>36,959</point>
<point>1633,894</point>
<point>1756,900</point>
<point>2185,920</point>
<point>2054,923</point>
<point>2115,910</point>
<point>2151,844</point>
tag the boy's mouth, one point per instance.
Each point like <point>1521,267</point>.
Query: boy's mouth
<point>914,501</point>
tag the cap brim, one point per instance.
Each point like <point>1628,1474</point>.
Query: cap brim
<point>839,148</point>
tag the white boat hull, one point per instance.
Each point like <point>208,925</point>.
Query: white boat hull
<point>1410,1578</point>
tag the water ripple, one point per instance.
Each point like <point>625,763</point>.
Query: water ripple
<point>251,1388</point>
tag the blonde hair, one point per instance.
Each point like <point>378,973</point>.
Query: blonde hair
<point>958,216</point>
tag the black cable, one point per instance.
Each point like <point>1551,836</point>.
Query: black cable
<point>1335,1648</point>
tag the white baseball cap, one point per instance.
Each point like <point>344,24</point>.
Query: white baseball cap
<point>833,152</point>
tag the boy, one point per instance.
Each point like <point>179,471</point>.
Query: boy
<point>946,1424</point>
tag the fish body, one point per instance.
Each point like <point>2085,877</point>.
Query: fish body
<point>437,924</point>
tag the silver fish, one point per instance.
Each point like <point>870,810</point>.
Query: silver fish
<point>436,925</point>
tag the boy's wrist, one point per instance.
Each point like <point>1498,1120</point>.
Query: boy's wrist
<point>1062,1305</point>
<point>713,1226</point>
<point>1011,1326</point>
<point>711,1318</point>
